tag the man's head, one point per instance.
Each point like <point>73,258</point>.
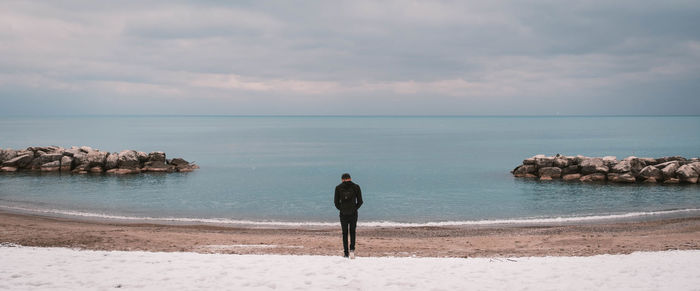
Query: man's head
<point>346,177</point>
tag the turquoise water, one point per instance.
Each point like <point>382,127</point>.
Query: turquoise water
<point>411,169</point>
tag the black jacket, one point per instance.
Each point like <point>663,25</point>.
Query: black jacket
<point>348,198</point>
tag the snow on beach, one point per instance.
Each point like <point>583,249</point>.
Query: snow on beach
<point>23,268</point>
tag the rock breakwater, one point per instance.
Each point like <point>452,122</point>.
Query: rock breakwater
<point>84,159</point>
<point>667,170</point>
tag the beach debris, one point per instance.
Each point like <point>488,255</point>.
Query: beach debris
<point>666,170</point>
<point>85,159</point>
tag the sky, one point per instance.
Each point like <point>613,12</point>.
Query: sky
<point>350,57</point>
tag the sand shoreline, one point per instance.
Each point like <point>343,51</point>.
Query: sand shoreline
<point>445,241</point>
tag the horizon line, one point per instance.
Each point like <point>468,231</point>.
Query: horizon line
<point>350,115</point>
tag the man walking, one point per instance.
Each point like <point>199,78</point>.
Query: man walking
<point>348,198</point>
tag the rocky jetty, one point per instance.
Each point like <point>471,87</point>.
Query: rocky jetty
<point>667,170</point>
<point>84,159</point>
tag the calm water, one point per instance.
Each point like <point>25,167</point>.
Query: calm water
<point>411,169</point>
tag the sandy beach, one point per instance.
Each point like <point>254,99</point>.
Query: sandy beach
<point>460,242</point>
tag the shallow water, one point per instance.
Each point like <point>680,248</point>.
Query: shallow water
<point>411,169</point>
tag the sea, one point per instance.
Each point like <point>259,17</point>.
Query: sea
<point>413,170</point>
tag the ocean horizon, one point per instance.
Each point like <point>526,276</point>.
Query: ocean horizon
<point>413,170</point>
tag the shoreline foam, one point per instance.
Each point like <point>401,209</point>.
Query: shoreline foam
<point>637,216</point>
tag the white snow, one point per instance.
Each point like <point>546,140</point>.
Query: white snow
<point>28,268</point>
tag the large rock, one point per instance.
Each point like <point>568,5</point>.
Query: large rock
<point>651,172</point>
<point>636,165</point>
<point>571,177</point>
<point>609,161</point>
<point>593,165</point>
<point>128,159</point>
<point>47,158</point>
<point>686,173</point>
<point>621,178</point>
<point>665,164</point>
<point>543,162</point>
<point>550,172</point>
<point>669,171</point>
<point>143,157</point>
<point>66,164</point>
<point>560,162</point>
<point>156,157</point>
<point>158,166</point>
<point>86,149</point>
<point>573,169</point>
<point>649,161</point>
<point>595,177</point>
<point>668,159</point>
<point>80,159</point>
<point>54,166</point>
<point>520,171</point>
<point>7,154</point>
<point>621,167</point>
<point>96,159</point>
<point>19,161</point>
<point>112,161</point>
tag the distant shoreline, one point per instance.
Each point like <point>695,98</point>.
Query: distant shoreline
<point>447,241</point>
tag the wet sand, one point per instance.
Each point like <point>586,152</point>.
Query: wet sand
<point>462,241</point>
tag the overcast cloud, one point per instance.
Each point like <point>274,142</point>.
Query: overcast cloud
<point>354,57</point>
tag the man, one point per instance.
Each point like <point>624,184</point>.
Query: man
<point>348,198</point>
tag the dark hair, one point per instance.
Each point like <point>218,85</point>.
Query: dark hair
<point>345,176</point>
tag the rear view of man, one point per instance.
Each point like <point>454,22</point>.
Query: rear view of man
<point>348,198</point>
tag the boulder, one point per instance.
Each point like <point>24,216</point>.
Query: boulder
<point>621,167</point>
<point>128,159</point>
<point>158,166</point>
<point>669,171</point>
<point>686,173</point>
<point>636,165</point>
<point>668,159</point>
<point>573,169</point>
<point>595,177</point>
<point>549,172</point>
<point>86,149</point>
<point>96,169</point>
<point>520,171</point>
<point>579,159</point>
<point>649,161</point>
<point>66,163</point>
<point>111,161</point>
<point>51,166</point>
<point>665,164</point>
<point>8,169</point>
<point>651,172</point>
<point>621,178</point>
<point>7,154</point>
<point>156,157</point>
<point>80,159</point>
<point>651,180</point>
<point>609,161</point>
<point>529,161</point>
<point>123,171</point>
<point>671,181</point>
<point>143,157</point>
<point>47,158</point>
<point>593,165</point>
<point>560,162</point>
<point>543,162</point>
<point>19,161</point>
<point>96,159</point>
<point>571,177</point>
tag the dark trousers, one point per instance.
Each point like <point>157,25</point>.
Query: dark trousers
<point>348,222</point>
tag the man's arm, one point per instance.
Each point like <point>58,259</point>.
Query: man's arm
<point>359,197</point>
<point>336,199</point>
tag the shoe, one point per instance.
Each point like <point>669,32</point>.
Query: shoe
<point>352,255</point>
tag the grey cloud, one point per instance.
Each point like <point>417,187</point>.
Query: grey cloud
<point>401,55</point>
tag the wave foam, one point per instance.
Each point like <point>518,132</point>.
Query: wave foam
<point>227,221</point>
